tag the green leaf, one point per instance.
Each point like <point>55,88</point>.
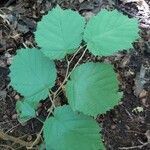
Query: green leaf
<point>108,32</point>
<point>60,32</point>
<point>42,146</point>
<point>69,130</point>
<point>25,111</point>
<point>93,88</point>
<point>33,75</point>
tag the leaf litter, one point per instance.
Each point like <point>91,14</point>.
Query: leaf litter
<point>17,25</point>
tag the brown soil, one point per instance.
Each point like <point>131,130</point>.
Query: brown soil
<point>122,127</point>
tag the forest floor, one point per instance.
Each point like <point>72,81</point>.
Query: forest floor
<point>126,126</point>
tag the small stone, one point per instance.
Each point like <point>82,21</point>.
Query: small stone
<point>144,102</point>
<point>17,97</point>
<point>14,116</point>
<point>2,63</point>
<point>113,127</point>
<point>9,58</point>
<point>127,127</point>
<point>143,94</point>
<point>120,103</point>
<point>88,15</point>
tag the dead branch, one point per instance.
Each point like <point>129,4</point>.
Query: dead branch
<point>5,136</point>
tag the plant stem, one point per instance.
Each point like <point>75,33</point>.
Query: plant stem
<point>68,75</point>
<point>56,93</point>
